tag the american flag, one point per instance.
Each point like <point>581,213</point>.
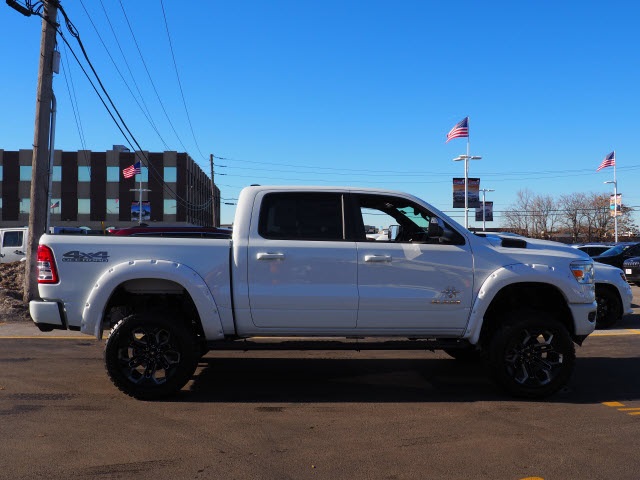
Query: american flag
<point>132,170</point>
<point>609,161</point>
<point>55,205</point>
<point>461,129</point>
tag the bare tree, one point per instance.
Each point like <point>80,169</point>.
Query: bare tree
<point>597,217</point>
<point>626,225</point>
<point>573,208</point>
<point>533,215</point>
<point>518,216</point>
<point>546,216</point>
<point>582,216</point>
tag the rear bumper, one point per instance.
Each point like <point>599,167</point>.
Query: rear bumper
<point>47,315</point>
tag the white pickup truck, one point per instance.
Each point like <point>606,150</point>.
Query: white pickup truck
<point>299,268</point>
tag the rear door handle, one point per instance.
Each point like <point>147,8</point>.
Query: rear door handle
<point>270,256</point>
<point>377,258</point>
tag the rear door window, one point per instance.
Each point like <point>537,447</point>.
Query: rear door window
<point>302,216</point>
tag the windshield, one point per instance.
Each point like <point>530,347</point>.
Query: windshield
<point>613,251</point>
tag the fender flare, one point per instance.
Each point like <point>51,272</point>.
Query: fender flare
<point>513,274</point>
<point>189,279</point>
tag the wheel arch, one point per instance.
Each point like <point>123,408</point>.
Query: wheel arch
<point>530,295</point>
<point>611,290</point>
<point>522,286</point>
<point>150,278</point>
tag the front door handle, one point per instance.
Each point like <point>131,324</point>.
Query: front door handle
<point>270,256</point>
<point>377,258</point>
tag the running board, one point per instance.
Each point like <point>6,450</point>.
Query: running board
<point>323,343</point>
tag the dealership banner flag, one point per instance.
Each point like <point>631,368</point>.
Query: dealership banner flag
<point>615,205</point>
<point>135,211</point>
<point>488,212</point>
<point>473,192</point>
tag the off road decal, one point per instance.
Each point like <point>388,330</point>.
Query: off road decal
<point>77,256</point>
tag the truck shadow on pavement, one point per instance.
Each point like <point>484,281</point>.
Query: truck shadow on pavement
<point>319,380</point>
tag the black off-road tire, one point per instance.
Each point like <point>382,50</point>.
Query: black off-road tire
<point>149,356</point>
<point>531,355</point>
<point>609,308</point>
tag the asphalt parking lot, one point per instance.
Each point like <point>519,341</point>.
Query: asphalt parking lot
<point>326,415</point>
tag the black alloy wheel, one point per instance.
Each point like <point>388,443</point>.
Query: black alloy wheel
<point>533,356</point>
<point>149,356</point>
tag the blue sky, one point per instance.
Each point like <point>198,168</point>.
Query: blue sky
<point>352,93</point>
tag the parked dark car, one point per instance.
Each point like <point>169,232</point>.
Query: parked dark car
<point>593,249</point>
<point>618,254</point>
<point>631,267</point>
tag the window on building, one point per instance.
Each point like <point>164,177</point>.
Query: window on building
<point>144,176</point>
<point>170,206</point>
<point>170,174</point>
<point>25,173</point>
<point>25,205</point>
<point>113,206</point>
<point>1,173</point>
<point>84,206</point>
<point>57,173</point>
<point>113,174</point>
<point>84,174</point>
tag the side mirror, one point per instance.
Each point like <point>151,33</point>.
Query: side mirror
<point>394,230</point>
<point>436,228</point>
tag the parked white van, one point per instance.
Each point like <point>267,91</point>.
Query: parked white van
<point>13,244</point>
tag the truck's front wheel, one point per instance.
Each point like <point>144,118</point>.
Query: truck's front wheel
<point>148,356</point>
<point>531,355</point>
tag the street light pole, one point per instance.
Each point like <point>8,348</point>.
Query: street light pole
<point>484,190</point>
<point>466,159</point>
<point>615,208</point>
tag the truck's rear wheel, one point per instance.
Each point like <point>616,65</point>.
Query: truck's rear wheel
<point>148,356</point>
<point>531,355</point>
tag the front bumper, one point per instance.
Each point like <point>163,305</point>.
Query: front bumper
<point>47,315</point>
<point>584,318</point>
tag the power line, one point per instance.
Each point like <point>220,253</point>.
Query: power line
<point>175,67</point>
<point>151,78</point>
<point>122,124</point>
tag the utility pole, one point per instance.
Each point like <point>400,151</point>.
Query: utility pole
<point>213,192</point>
<point>41,137</point>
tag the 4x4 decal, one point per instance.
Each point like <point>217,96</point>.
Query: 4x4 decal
<point>77,256</point>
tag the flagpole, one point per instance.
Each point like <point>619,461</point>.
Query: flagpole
<point>140,200</point>
<point>615,199</point>
<point>466,179</point>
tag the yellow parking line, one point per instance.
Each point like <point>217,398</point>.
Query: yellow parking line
<point>616,333</point>
<point>613,404</point>
<point>629,409</point>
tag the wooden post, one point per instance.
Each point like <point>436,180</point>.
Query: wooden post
<point>40,159</point>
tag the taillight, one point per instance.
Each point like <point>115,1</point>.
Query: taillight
<point>47,271</point>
